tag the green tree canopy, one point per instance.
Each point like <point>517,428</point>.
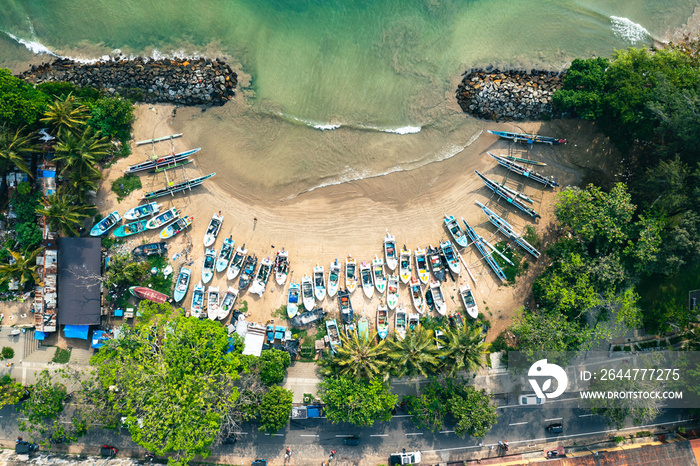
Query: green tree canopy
<point>10,391</point>
<point>361,358</point>
<point>275,408</point>
<point>416,354</point>
<point>360,402</point>
<point>464,349</point>
<point>64,213</point>
<point>20,103</point>
<point>273,365</point>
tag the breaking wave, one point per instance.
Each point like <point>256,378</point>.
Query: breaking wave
<point>628,30</point>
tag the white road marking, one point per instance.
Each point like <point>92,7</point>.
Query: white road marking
<point>544,439</point>
<point>307,435</point>
<point>344,435</point>
<point>415,433</point>
<point>379,435</point>
<point>276,435</point>
<point>515,406</point>
<point>446,431</point>
<point>554,419</point>
<point>586,415</point>
<point>402,415</point>
<point>518,423</point>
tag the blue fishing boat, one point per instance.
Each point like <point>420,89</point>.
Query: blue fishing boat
<point>208,266</point>
<point>131,229</point>
<point>293,300</point>
<point>104,225</point>
<point>182,284</point>
<point>527,138</point>
<point>510,198</point>
<point>456,231</point>
<point>520,170</point>
<point>225,254</point>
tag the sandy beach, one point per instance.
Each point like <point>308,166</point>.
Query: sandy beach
<point>351,218</point>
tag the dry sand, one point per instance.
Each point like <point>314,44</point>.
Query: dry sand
<point>352,218</point>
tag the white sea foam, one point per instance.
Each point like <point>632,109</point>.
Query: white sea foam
<point>403,130</point>
<point>628,30</point>
<point>326,127</point>
<point>34,47</point>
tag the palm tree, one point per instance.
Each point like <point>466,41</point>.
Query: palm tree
<point>66,115</point>
<point>359,357</point>
<point>64,213</point>
<point>464,349</point>
<point>416,353</point>
<point>13,146</point>
<point>80,183</point>
<point>23,268</point>
<point>81,152</point>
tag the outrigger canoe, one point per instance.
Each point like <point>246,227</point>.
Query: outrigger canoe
<point>163,161</point>
<point>177,187</point>
<point>528,138</point>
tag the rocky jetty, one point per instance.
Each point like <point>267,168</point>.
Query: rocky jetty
<point>509,95</point>
<point>177,81</point>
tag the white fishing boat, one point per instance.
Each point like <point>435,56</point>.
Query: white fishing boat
<point>293,299</point>
<point>333,278</point>
<point>405,265</point>
<point>213,302</point>
<point>417,295</point>
<point>139,212</point>
<point>182,284</point>
<point>307,292</point>
<point>382,321</point>
<point>350,274</point>
<point>176,227</point>
<point>281,267</point>
<point>208,266</point>
<point>227,303</point>
<point>319,283</point>
<point>197,309</point>
<point>448,251</point>
<point>378,274</point>
<point>422,265</point>
<point>236,263</point>
<point>456,232</point>
<point>413,321</point>
<point>390,251</point>
<point>392,294</point>
<point>261,278</point>
<point>366,278</point>
<point>438,297</point>
<point>468,300</point>
<point>225,254</point>
<point>400,322</point>
<point>213,229</point>
<point>163,219</point>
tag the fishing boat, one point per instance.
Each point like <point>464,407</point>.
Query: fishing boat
<point>176,227</point>
<point>307,292</point>
<point>400,322</point>
<point>225,254</point>
<point>261,278</point>
<point>208,266</point>
<point>333,335</point>
<point>350,329</point>
<point>309,318</point>
<point>510,198</point>
<point>527,173</point>
<point>390,251</point>
<point>363,327</point>
<point>163,219</point>
<point>150,249</point>
<point>350,274</point>
<point>528,138</point>
<point>236,263</point>
<point>162,161</point>
<point>505,228</point>
<point>333,278</point>
<point>429,299</point>
<point>477,241</point>
<point>213,229</point>
<point>468,300</point>
<point>456,232</point>
<point>197,309</point>
<point>281,267</point>
<point>182,284</point>
<point>180,163</point>
<point>378,274</point>
<point>366,278</point>
<point>141,211</point>
<point>345,306</point>
<point>417,295</point>
<point>143,292</point>
<point>456,320</point>
<point>132,228</point>
<point>438,298</point>
<point>382,321</point>
<point>293,299</point>
<point>436,263</point>
<point>228,302</point>
<point>213,302</point>
<point>319,283</point>
<point>104,225</point>
<point>422,265</point>
<point>392,294</point>
<point>177,187</point>
<point>163,138</point>
<point>413,321</point>
<point>521,160</point>
<point>405,265</point>
<point>450,256</point>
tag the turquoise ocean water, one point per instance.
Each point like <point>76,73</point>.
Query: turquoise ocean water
<point>324,80</point>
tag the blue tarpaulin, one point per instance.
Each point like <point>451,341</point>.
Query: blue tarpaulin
<point>98,339</point>
<point>39,335</point>
<point>76,331</point>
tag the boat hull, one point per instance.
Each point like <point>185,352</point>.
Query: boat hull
<point>141,211</point>
<point>143,292</point>
<point>293,295</point>
<point>106,224</point>
<point>131,229</point>
<point>182,284</point>
<point>213,229</point>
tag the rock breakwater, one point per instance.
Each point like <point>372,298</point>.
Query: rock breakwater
<point>185,82</point>
<point>509,95</point>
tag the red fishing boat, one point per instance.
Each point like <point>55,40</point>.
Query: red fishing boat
<point>142,292</point>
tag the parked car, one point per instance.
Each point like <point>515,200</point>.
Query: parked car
<point>530,400</point>
<point>352,441</point>
<point>260,463</point>
<point>412,457</point>
<point>557,428</point>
